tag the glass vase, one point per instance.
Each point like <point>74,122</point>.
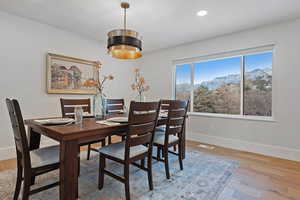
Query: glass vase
<point>99,106</point>
<point>140,98</point>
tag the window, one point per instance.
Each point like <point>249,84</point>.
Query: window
<point>235,85</point>
<point>183,82</point>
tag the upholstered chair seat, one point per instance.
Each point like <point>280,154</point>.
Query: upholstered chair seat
<point>117,150</point>
<point>44,156</point>
<point>159,138</point>
<point>161,128</point>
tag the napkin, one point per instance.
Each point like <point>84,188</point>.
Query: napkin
<point>104,122</point>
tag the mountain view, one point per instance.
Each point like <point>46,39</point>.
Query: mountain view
<point>222,94</point>
<point>235,78</point>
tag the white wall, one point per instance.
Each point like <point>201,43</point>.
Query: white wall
<point>23,48</point>
<point>280,138</point>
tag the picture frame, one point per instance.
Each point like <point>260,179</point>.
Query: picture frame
<point>68,75</point>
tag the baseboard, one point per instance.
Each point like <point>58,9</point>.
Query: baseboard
<point>10,152</point>
<point>269,150</point>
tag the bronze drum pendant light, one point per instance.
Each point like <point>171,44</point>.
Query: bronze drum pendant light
<point>124,43</point>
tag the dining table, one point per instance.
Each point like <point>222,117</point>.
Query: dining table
<point>70,137</point>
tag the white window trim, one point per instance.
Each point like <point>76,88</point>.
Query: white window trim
<point>237,53</point>
<point>229,116</point>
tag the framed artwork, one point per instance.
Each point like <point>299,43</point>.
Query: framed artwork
<point>67,75</point>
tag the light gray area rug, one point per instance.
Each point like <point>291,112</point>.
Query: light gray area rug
<point>203,178</point>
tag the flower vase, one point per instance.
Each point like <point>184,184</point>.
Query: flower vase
<point>99,106</point>
<point>140,98</point>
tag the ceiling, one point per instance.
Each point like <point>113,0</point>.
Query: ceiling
<point>162,23</point>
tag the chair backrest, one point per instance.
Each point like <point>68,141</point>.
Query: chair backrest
<point>19,131</point>
<point>164,104</point>
<point>142,122</point>
<point>68,106</point>
<point>177,111</point>
<point>115,106</point>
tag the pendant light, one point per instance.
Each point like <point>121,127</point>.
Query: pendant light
<point>124,43</point>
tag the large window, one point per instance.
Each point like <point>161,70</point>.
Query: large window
<point>236,85</point>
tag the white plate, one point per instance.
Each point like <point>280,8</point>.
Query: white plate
<point>118,119</point>
<point>55,121</point>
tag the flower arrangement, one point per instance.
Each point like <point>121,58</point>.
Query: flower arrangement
<point>99,99</point>
<point>139,84</point>
<point>100,81</point>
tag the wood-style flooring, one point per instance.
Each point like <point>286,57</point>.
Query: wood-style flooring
<point>258,177</point>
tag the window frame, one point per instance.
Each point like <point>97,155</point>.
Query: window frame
<point>239,53</point>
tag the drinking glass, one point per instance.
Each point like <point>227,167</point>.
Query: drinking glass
<point>78,115</point>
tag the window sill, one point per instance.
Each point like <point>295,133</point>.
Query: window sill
<point>252,118</point>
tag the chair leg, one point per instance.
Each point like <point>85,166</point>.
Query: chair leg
<point>149,169</point>
<point>78,166</point>
<point>158,153</point>
<point>180,157</point>
<point>101,172</point>
<point>18,183</point>
<point>126,176</point>
<point>166,159</point>
<point>123,137</point>
<point>89,152</point>
<point>109,139</point>
<point>32,180</point>
<point>143,163</point>
<point>103,143</point>
<point>26,186</point>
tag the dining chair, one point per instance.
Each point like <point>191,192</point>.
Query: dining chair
<point>115,106</point>
<point>164,106</point>
<point>67,109</point>
<point>173,133</point>
<point>137,146</point>
<point>29,163</point>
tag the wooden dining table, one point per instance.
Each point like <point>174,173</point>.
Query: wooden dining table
<point>70,137</point>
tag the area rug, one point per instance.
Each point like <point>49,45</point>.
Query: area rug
<point>203,178</point>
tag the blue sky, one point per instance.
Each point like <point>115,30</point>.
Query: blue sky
<point>209,70</point>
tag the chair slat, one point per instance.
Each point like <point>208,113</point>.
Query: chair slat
<point>176,121</point>
<point>115,107</point>
<point>144,118</point>
<point>68,105</point>
<point>142,121</point>
<point>141,129</point>
<point>115,101</point>
<point>146,106</point>
<point>140,140</point>
<point>177,113</point>
<point>174,130</point>
<point>71,109</point>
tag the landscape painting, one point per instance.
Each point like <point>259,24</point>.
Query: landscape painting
<point>67,75</point>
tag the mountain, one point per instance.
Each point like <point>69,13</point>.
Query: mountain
<point>235,78</point>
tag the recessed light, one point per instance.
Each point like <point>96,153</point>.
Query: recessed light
<point>202,13</point>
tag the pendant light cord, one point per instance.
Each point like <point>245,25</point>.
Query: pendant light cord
<point>124,18</point>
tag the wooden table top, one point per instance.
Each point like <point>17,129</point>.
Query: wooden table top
<point>89,128</point>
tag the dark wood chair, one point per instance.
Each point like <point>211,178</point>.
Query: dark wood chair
<point>164,106</point>
<point>67,110</point>
<point>115,106</point>
<point>29,163</point>
<point>172,135</point>
<point>137,146</point>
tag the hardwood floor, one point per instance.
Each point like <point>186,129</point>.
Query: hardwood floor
<point>258,177</point>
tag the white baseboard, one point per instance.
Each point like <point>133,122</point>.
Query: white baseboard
<point>269,150</point>
<point>10,152</point>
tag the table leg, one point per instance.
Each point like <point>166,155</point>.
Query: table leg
<point>34,139</point>
<point>69,153</point>
<point>183,141</point>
